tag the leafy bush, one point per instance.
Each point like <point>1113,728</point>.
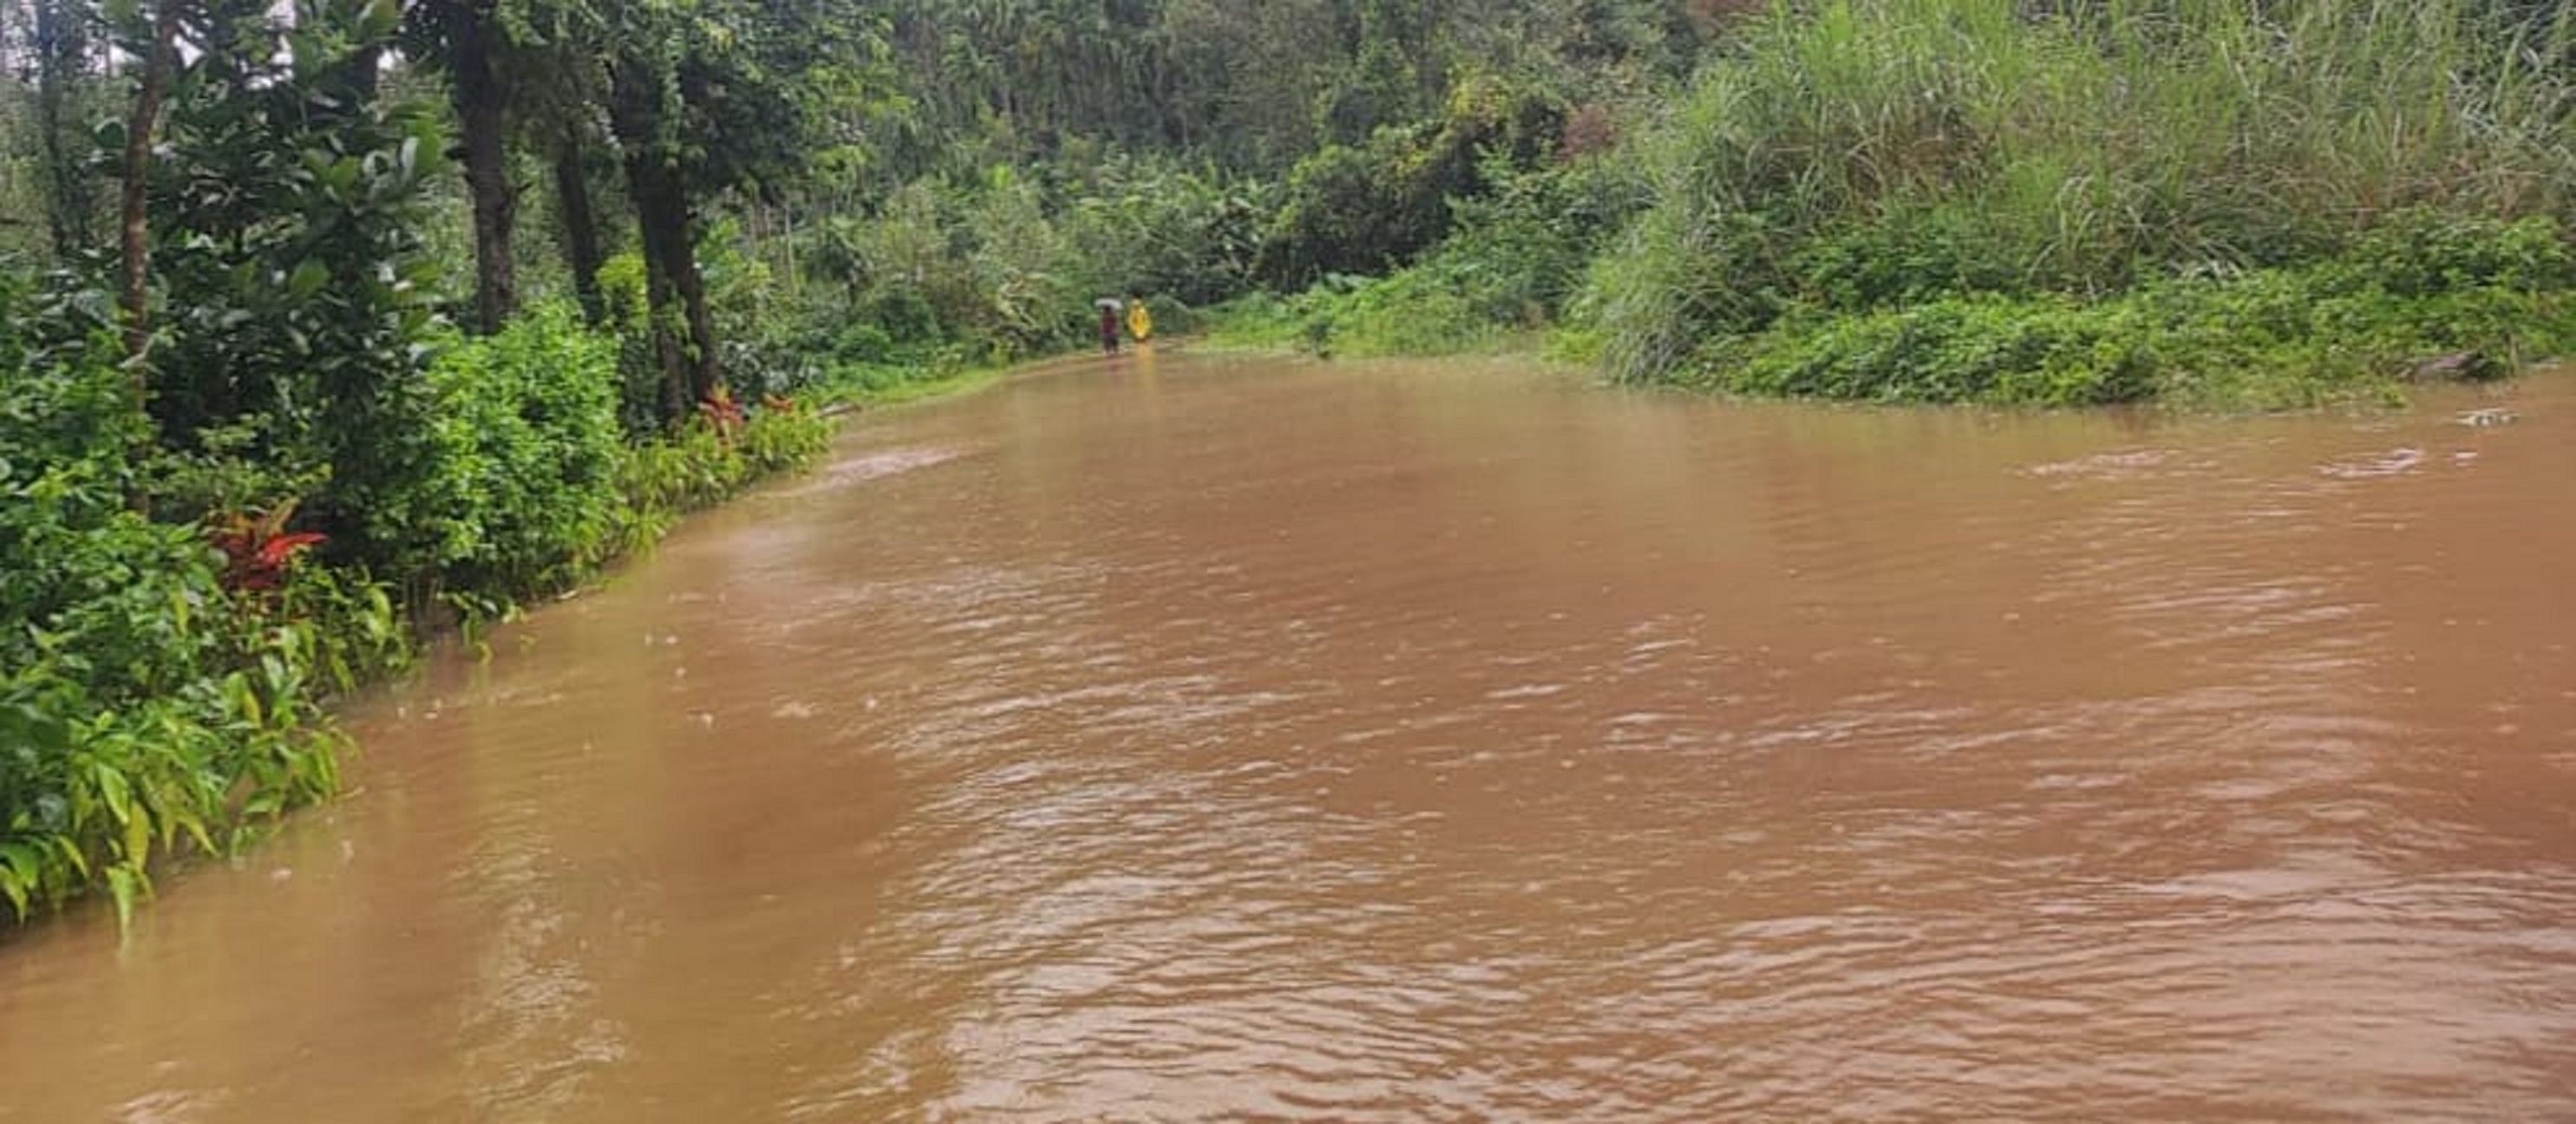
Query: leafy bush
<point>144,707</point>
<point>1413,312</point>
<point>1153,227</point>
<point>158,698</point>
<point>710,460</point>
<point>286,212</point>
<point>1365,210</point>
<point>1518,256</point>
<point>520,496</point>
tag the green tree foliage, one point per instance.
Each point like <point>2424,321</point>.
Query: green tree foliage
<point>1255,86</point>
<point>186,578</point>
<point>1363,210</point>
<point>286,218</point>
<point>472,43</point>
<point>65,37</point>
<point>706,97</point>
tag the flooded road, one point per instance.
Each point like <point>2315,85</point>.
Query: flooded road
<point>1205,738</point>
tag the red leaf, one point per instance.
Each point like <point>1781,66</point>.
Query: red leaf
<point>275,553</point>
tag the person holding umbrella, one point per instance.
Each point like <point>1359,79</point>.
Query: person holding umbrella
<point>1109,325</point>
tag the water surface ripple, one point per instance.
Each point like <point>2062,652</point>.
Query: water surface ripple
<point>1202,738</point>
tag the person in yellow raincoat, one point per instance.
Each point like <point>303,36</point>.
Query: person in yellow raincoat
<point>1140,321</point>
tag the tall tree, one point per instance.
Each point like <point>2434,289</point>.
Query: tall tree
<point>62,47</point>
<point>576,215</point>
<point>471,41</point>
<point>160,54</point>
<point>642,110</point>
<point>707,97</point>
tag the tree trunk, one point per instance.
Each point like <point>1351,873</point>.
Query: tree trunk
<point>634,116</point>
<point>706,367</point>
<point>62,48</point>
<point>481,115</point>
<point>582,253</point>
<point>795,276</point>
<point>684,336</point>
<point>647,183</point>
<point>135,294</point>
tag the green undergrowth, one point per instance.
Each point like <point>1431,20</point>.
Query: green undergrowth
<point>1517,255</point>
<point>1406,314</point>
<point>2221,202</point>
<point>2486,297</point>
<point>892,384</point>
<point>901,375</point>
<point>166,678</point>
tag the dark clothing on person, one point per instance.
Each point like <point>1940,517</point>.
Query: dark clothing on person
<point>1108,330</point>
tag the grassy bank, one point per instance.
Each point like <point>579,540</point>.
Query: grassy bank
<point>2435,297</point>
<point>2217,204</point>
<point>862,387</point>
<point>2218,201</point>
<point>1508,271</point>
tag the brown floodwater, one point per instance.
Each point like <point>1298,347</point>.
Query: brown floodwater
<point>1208,738</point>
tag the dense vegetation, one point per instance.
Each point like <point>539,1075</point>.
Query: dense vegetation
<point>2217,199</point>
<point>2208,202</point>
<point>331,322</point>
<point>248,452</point>
<point>326,323</point>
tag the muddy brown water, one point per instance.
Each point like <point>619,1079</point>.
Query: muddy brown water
<point>1201,738</point>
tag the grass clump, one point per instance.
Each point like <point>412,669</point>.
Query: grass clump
<point>2350,327</point>
<point>1949,199</point>
<point>1413,312</point>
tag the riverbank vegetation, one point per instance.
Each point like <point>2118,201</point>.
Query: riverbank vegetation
<point>331,322</point>
<point>1946,200</point>
<point>2215,204</point>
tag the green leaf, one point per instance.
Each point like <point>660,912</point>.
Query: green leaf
<point>383,16</point>
<point>196,828</point>
<point>308,279</point>
<point>21,860</point>
<point>138,837</point>
<point>123,884</point>
<point>115,791</point>
<point>72,855</point>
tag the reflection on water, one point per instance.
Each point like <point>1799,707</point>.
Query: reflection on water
<point>1242,738</point>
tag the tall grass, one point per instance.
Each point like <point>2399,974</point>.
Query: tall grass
<point>1857,155</point>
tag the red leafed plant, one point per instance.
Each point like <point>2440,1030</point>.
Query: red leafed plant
<point>258,549</point>
<point>721,410</point>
